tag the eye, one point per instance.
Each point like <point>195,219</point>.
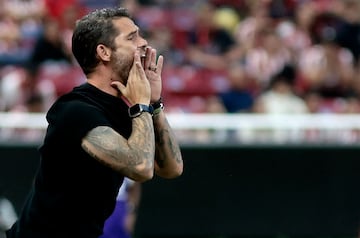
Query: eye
<point>133,36</point>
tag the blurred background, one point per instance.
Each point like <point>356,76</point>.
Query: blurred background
<point>264,96</point>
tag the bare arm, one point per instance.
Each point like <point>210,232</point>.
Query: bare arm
<point>168,160</point>
<point>133,158</point>
<point>169,163</point>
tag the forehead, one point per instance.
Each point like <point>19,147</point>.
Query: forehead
<point>125,25</point>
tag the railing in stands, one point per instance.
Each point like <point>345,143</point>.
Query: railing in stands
<point>235,128</point>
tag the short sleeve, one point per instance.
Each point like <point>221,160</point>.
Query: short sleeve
<point>75,119</point>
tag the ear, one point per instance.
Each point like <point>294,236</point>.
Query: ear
<point>103,52</point>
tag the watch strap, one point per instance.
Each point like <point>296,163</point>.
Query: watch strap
<point>137,109</point>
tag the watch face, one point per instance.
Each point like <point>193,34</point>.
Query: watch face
<point>137,109</point>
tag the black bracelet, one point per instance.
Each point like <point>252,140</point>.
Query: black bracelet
<point>158,106</point>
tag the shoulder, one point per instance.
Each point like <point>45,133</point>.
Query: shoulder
<point>71,104</point>
<point>79,99</point>
<point>75,110</point>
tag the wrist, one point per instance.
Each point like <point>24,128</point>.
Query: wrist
<point>157,106</point>
<point>137,109</point>
<point>152,101</point>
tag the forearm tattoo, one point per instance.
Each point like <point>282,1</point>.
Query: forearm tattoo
<point>166,146</point>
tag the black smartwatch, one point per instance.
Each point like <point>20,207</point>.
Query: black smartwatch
<point>137,109</point>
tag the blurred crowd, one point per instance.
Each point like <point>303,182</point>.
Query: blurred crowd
<point>254,56</point>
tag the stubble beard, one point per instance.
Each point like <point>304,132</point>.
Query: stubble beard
<point>121,67</point>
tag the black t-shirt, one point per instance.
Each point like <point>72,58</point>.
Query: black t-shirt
<point>73,193</point>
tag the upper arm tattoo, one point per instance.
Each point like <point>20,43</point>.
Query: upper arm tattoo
<point>125,155</point>
<point>106,146</point>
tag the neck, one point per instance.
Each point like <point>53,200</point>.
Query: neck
<point>102,80</point>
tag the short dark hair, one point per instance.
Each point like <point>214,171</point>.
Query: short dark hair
<point>91,30</point>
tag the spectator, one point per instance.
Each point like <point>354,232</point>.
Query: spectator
<point>20,25</point>
<point>18,85</point>
<point>208,44</point>
<point>10,37</point>
<point>315,102</point>
<point>25,11</point>
<point>255,21</point>
<point>326,66</point>
<point>50,46</point>
<point>239,98</point>
<point>268,35</point>
<point>268,58</point>
<point>280,97</point>
<point>295,32</point>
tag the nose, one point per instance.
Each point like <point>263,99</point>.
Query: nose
<point>142,46</point>
<point>142,43</point>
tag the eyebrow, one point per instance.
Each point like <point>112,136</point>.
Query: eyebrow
<point>133,33</point>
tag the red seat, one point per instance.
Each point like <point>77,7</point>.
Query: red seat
<point>191,81</point>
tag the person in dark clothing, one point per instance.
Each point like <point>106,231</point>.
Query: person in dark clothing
<point>50,46</point>
<point>240,96</point>
<point>111,127</point>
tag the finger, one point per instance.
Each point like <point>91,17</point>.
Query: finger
<point>153,58</point>
<point>137,57</point>
<point>140,71</point>
<point>139,65</point>
<point>148,57</point>
<point>160,64</point>
<point>119,86</point>
<point>137,62</point>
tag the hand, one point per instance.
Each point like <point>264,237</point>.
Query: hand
<point>153,72</point>
<point>137,89</point>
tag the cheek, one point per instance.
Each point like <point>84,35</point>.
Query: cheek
<point>122,64</point>
<point>121,59</point>
<point>127,53</point>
